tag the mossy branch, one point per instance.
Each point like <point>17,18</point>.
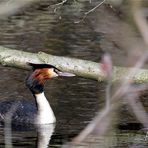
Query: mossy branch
<point>83,68</point>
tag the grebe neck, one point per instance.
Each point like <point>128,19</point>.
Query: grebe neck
<point>45,113</point>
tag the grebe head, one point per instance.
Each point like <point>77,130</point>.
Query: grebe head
<point>41,72</point>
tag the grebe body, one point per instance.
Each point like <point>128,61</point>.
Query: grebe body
<point>24,114</point>
<point>40,111</point>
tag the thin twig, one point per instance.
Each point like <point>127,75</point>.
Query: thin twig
<point>61,3</point>
<point>138,109</point>
<point>122,91</point>
<point>92,126</point>
<point>58,5</point>
<point>140,19</point>
<point>91,10</point>
<point>128,79</point>
<point>7,123</point>
<point>107,68</point>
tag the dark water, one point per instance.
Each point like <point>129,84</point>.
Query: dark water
<point>75,101</point>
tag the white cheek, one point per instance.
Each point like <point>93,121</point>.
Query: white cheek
<point>52,73</point>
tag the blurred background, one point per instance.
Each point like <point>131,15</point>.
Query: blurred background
<point>73,29</point>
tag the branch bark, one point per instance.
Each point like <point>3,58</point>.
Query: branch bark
<point>83,68</point>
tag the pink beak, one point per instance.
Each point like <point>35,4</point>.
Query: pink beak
<point>65,74</point>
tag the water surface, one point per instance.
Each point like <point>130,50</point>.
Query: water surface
<point>76,100</point>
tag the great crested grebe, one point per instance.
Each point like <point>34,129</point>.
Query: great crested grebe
<point>30,113</point>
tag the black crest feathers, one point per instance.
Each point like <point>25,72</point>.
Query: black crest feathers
<point>40,66</point>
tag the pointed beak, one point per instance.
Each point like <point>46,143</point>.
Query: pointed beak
<point>65,74</point>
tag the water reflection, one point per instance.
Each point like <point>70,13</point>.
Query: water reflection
<point>44,133</point>
<point>38,137</point>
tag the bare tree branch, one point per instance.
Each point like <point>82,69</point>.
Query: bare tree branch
<point>81,68</point>
<point>91,10</point>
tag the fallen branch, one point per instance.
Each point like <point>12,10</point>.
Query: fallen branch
<point>83,68</point>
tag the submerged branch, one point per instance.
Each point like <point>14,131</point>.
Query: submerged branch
<point>83,68</point>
